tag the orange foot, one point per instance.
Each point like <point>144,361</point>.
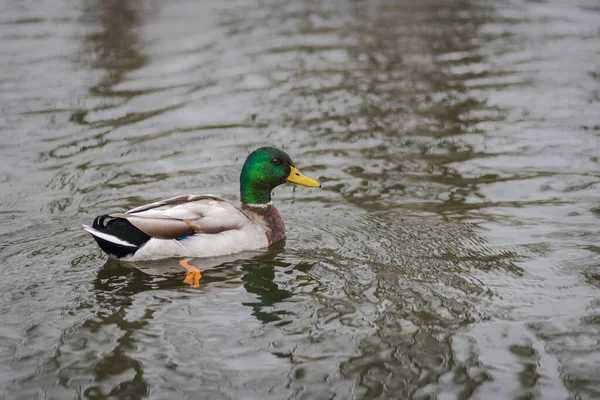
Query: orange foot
<point>192,276</point>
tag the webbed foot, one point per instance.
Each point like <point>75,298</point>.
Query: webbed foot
<point>192,276</point>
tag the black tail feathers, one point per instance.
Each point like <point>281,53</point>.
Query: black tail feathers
<point>99,222</point>
<point>121,229</point>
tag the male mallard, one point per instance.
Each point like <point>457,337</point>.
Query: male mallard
<point>204,225</point>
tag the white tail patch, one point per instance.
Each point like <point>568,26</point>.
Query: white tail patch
<point>107,237</point>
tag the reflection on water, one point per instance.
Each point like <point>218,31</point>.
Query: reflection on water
<point>452,251</point>
<point>114,290</point>
<point>114,48</point>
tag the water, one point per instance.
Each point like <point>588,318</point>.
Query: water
<point>452,252</point>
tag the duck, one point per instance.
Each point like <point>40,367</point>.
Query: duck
<point>200,226</point>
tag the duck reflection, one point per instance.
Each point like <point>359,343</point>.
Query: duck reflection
<point>254,270</point>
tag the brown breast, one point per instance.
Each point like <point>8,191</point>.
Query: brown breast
<point>269,218</point>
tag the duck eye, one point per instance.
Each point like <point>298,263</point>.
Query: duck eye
<point>276,161</point>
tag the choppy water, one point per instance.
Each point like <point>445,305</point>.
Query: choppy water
<point>453,252</point>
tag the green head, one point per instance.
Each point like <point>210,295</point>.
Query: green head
<point>265,169</point>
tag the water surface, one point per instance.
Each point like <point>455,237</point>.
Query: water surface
<point>453,251</point>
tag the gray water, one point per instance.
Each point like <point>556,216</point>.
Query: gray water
<point>453,252</point>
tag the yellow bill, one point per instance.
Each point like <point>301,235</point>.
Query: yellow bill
<point>299,179</point>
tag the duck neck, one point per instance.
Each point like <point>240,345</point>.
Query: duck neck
<point>253,194</point>
<point>267,216</point>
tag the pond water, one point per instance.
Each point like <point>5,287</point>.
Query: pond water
<point>453,252</point>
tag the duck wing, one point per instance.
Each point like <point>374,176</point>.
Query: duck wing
<point>185,215</point>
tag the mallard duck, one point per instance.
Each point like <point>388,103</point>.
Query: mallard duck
<point>204,225</point>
